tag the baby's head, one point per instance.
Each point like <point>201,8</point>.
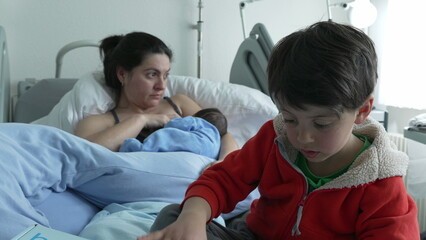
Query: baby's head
<point>215,117</point>
<point>327,64</point>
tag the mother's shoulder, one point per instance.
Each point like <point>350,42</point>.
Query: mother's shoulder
<point>180,99</point>
<point>99,118</point>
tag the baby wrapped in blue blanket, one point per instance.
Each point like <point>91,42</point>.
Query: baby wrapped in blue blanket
<point>198,134</point>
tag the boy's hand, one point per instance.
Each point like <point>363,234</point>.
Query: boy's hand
<point>191,223</point>
<point>186,227</point>
<point>211,164</point>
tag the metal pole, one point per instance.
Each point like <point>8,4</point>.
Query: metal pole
<point>242,6</point>
<point>329,11</point>
<point>200,38</point>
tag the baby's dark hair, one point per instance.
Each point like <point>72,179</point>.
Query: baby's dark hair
<point>215,117</point>
<point>326,64</point>
<point>128,51</point>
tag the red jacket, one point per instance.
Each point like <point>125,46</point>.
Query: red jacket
<point>369,201</point>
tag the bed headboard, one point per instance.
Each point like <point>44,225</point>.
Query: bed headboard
<point>4,78</point>
<point>250,63</point>
<point>36,100</point>
<point>39,99</point>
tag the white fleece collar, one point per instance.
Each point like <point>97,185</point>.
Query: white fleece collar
<point>381,160</point>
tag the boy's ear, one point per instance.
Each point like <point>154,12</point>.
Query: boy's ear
<point>364,110</point>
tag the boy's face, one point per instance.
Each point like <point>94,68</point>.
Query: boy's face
<point>319,133</point>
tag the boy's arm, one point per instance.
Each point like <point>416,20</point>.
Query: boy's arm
<point>388,212</point>
<point>230,181</point>
<point>221,187</point>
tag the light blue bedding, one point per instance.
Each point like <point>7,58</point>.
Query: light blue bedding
<point>125,221</point>
<point>38,160</point>
<point>70,219</point>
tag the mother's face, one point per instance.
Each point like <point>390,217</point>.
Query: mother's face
<point>144,86</point>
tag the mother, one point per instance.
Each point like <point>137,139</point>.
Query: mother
<point>137,66</point>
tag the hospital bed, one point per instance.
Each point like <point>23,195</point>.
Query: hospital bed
<point>98,193</point>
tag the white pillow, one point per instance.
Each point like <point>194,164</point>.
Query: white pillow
<point>245,108</point>
<point>89,96</point>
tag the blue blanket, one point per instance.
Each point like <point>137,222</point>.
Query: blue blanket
<point>125,221</point>
<point>38,160</point>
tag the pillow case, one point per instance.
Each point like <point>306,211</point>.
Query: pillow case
<point>245,108</point>
<point>89,96</point>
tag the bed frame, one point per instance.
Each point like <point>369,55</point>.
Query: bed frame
<point>36,98</point>
<point>4,79</point>
<point>250,63</point>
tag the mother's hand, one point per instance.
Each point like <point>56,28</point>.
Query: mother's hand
<point>157,120</point>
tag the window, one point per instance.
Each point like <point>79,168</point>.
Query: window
<point>403,61</point>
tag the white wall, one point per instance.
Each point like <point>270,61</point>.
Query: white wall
<point>37,29</point>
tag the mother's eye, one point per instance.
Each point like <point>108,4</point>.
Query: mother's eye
<point>151,74</point>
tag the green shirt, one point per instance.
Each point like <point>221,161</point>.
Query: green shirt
<point>316,181</point>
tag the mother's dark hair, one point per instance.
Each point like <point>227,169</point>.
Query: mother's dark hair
<point>128,51</point>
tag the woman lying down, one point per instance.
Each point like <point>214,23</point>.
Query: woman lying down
<point>136,67</point>
<point>38,161</point>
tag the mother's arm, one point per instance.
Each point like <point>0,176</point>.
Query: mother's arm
<point>228,145</point>
<point>101,129</point>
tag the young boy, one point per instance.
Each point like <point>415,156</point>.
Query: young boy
<point>200,134</point>
<point>323,168</point>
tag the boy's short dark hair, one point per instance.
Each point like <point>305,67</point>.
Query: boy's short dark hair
<point>326,64</point>
<point>215,117</point>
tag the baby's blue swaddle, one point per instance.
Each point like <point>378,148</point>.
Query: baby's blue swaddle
<point>188,134</point>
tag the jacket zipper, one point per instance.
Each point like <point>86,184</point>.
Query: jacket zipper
<point>295,230</point>
<point>299,212</point>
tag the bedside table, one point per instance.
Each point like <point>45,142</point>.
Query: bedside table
<point>415,135</point>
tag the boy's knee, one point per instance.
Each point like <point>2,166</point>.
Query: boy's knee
<point>166,216</point>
